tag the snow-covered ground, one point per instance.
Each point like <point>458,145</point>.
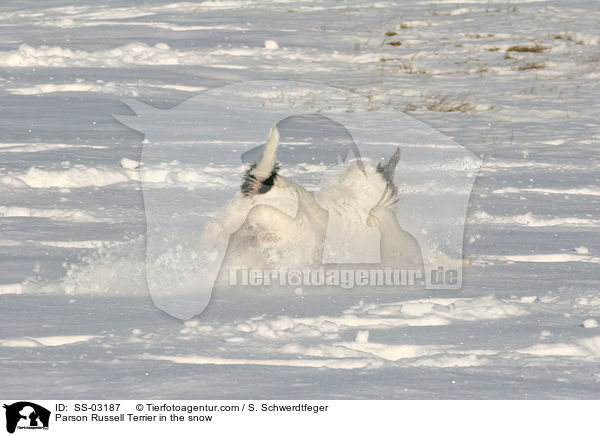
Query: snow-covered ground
<point>514,82</point>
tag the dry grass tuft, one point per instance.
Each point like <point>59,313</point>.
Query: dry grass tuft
<point>528,48</point>
<point>445,105</point>
<point>531,66</point>
<point>566,36</point>
<point>406,69</point>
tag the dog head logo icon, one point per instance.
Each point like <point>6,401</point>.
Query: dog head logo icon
<point>26,415</point>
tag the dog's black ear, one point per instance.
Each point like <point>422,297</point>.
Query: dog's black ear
<point>387,169</point>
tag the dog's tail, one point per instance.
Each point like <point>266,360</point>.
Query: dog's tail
<point>260,177</point>
<point>266,163</point>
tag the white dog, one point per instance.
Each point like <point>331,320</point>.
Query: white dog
<point>274,223</point>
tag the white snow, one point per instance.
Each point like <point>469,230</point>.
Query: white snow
<point>38,147</point>
<point>572,191</point>
<point>11,288</point>
<point>311,363</point>
<point>73,215</point>
<point>128,170</point>
<point>362,336</point>
<point>73,177</point>
<point>530,220</point>
<point>73,291</point>
<point>129,164</point>
<point>551,258</point>
<point>47,341</point>
<point>271,45</point>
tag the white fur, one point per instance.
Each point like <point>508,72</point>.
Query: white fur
<point>266,163</point>
<point>286,227</point>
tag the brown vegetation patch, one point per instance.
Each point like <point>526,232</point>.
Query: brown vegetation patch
<point>528,48</point>
<point>445,105</point>
<point>531,66</point>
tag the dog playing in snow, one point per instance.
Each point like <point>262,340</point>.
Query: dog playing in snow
<point>273,222</point>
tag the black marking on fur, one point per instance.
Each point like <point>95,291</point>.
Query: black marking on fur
<point>387,170</point>
<point>251,186</point>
